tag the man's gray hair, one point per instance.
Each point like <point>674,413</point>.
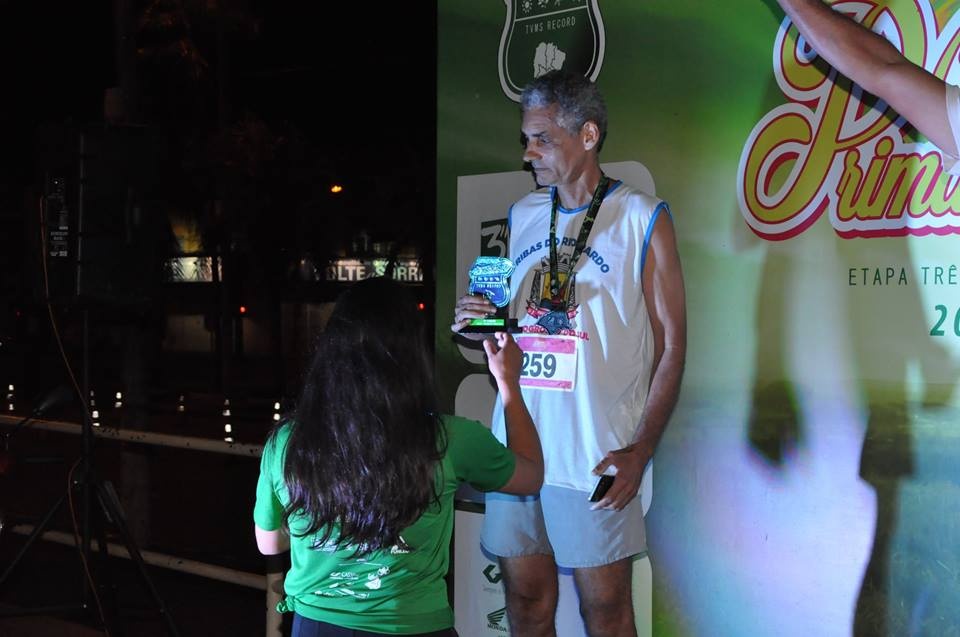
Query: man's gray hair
<point>578,101</point>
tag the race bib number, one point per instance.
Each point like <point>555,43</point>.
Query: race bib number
<point>549,362</point>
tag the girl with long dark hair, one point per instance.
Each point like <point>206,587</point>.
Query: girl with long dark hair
<point>359,484</point>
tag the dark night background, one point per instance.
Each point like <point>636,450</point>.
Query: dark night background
<point>235,118</point>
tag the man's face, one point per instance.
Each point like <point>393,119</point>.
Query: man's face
<point>556,156</point>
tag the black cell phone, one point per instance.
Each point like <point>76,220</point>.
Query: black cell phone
<point>603,485</point>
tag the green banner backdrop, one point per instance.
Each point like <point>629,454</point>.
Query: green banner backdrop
<point>808,482</point>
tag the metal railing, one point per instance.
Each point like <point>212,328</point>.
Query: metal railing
<point>271,583</point>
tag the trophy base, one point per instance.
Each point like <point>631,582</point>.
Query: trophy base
<point>491,325</point>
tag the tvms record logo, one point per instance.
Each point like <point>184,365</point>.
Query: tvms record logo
<point>545,35</point>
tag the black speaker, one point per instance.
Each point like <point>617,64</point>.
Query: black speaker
<point>101,236</point>
<point>59,243</point>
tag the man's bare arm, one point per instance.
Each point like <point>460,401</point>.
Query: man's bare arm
<point>666,304</point>
<point>873,63</point>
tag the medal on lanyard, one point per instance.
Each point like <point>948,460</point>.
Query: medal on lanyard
<point>550,360</point>
<point>557,319</point>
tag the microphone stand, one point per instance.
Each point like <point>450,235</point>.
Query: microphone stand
<point>41,527</point>
<point>92,490</point>
<point>55,398</point>
<point>17,427</point>
<point>43,408</point>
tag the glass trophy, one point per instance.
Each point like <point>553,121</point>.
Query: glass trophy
<point>489,277</point>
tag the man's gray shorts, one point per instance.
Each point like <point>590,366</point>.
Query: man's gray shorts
<point>559,522</point>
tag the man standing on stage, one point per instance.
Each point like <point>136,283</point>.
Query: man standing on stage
<point>598,283</point>
<point>924,100</point>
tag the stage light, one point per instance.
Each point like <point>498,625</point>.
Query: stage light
<point>336,188</point>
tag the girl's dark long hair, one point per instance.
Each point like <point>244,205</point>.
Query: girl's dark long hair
<point>365,440</point>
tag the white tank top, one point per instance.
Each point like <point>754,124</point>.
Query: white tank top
<point>607,319</point>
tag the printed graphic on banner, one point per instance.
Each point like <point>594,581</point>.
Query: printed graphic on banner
<point>546,35</point>
<point>495,620</point>
<point>833,148</point>
<point>492,573</point>
<point>493,238</point>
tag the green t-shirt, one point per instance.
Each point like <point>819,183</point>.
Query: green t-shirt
<point>401,590</point>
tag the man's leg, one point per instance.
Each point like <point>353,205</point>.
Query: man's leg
<point>531,587</point>
<point>606,602</point>
<point>599,546</point>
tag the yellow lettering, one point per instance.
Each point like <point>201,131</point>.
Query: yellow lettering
<point>810,153</point>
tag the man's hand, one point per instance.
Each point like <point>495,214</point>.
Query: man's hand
<point>630,463</point>
<point>468,307</point>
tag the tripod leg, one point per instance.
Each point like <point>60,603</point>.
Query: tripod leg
<point>114,513</point>
<point>37,532</point>
<point>105,583</point>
